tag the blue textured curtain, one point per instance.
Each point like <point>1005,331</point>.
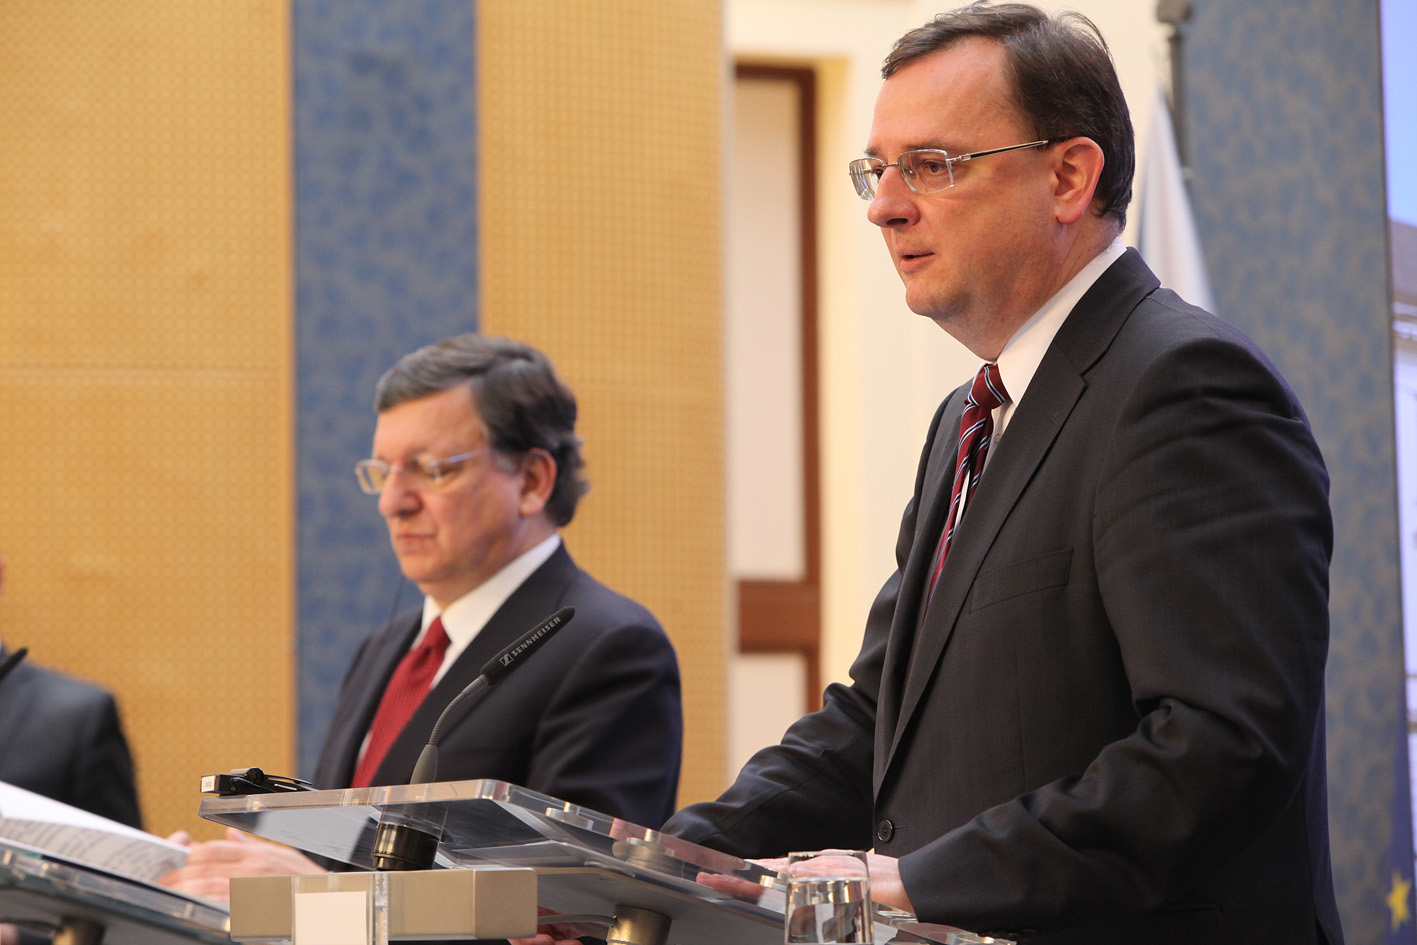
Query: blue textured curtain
<point>386,247</point>
<point>1285,138</point>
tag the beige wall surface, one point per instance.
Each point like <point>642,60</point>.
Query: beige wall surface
<point>146,342</point>
<point>145,461</point>
<point>600,240</point>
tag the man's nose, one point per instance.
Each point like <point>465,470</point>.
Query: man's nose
<point>894,203</point>
<point>397,498</point>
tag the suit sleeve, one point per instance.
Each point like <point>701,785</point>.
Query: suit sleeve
<point>1211,539</point>
<point>104,779</point>
<point>610,736</point>
<point>813,790</point>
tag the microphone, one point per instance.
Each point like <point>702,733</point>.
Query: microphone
<point>13,660</point>
<point>426,769</point>
<point>401,846</point>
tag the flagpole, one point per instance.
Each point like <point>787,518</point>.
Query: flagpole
<point>1173,13</point>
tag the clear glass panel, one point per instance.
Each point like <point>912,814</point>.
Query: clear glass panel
<point>586,861</point>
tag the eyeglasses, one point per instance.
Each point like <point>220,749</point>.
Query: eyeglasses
<point>926,171</point>
<point>422,473</point>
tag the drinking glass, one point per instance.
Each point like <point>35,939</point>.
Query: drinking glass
<point>828,898</point>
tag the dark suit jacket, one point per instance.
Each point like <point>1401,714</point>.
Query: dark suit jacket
<point>61,737</point>
<point>1107,726</point>
<point>593,717</point>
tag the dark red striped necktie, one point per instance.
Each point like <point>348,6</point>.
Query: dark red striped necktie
<point>976,429</point>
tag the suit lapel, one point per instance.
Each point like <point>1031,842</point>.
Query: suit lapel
<point>929,524</point>
<point>537,598</point>
<point>1040,417</point>
<point>939,483</point>
<point>365,690</point>
<point>1013,463</point>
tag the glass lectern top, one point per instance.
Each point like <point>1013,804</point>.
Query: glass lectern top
<point>477,821</point>
<point>487,823</point>
<point>45,890</point>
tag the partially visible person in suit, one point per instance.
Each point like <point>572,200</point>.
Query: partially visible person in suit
<point>1088,706</point>
<point>62,737</point>
<point>476,465</point>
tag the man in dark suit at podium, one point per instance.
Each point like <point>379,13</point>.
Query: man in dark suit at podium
<point>61,737</point>
<point>1088,706</point>
<point>476,465</point>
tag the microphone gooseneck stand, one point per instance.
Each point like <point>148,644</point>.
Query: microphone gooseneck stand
<point>403,842</point>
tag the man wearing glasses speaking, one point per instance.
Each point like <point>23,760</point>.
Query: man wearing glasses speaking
<point>1089,701</point>
<point>476,465</point>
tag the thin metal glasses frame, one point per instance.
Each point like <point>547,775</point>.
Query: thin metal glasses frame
<point>373,474</point>
<point>866,172</point>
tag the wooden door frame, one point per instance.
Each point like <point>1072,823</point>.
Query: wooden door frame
<point>786,616</point>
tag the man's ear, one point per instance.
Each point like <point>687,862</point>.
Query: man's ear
<point>1076,171</point>
<point>538,481</point>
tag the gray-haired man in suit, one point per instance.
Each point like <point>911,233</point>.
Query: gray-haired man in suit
<point>476,465</point>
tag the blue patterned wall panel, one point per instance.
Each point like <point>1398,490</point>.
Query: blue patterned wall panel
<point>1285,139</point>
<point>386,260</point>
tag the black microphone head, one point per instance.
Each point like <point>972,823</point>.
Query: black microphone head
<point>502,663</point>
<point>425,770</point>
<point>12,660</point>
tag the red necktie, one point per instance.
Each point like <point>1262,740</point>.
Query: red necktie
<point>406,690</point>
<point>976,429</point>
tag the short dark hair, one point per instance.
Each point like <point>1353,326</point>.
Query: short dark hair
<point>1062,78</point>
<point>523,403</point>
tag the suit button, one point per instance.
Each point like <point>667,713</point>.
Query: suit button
<point>884,831</point>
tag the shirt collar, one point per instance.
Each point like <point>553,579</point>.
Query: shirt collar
<point>465,617</point>
<point>1022,354</point>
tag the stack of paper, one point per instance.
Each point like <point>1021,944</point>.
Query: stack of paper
<point>58,830</point>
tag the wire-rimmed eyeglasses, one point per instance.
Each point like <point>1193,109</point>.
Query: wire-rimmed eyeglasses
<point>422,473</point>
<point>926,171</point>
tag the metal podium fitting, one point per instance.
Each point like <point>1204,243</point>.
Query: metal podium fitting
<point>78,932</point>
<point>638,927</point>
<point>628,926</point>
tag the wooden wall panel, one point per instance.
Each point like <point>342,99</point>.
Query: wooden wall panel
<point>145,505</point>
<point>600,227</point>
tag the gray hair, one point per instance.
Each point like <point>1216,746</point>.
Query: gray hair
<point>523,403</point>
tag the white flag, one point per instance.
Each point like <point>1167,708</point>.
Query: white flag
<point>1167,235</point>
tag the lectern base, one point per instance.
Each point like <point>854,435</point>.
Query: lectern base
<point>420,904</point>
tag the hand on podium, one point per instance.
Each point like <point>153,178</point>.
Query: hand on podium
<point>887,888</point>
<point>210,865</point>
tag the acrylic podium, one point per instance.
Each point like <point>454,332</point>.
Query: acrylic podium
<point>501,851</point>
<point>81,905</point>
